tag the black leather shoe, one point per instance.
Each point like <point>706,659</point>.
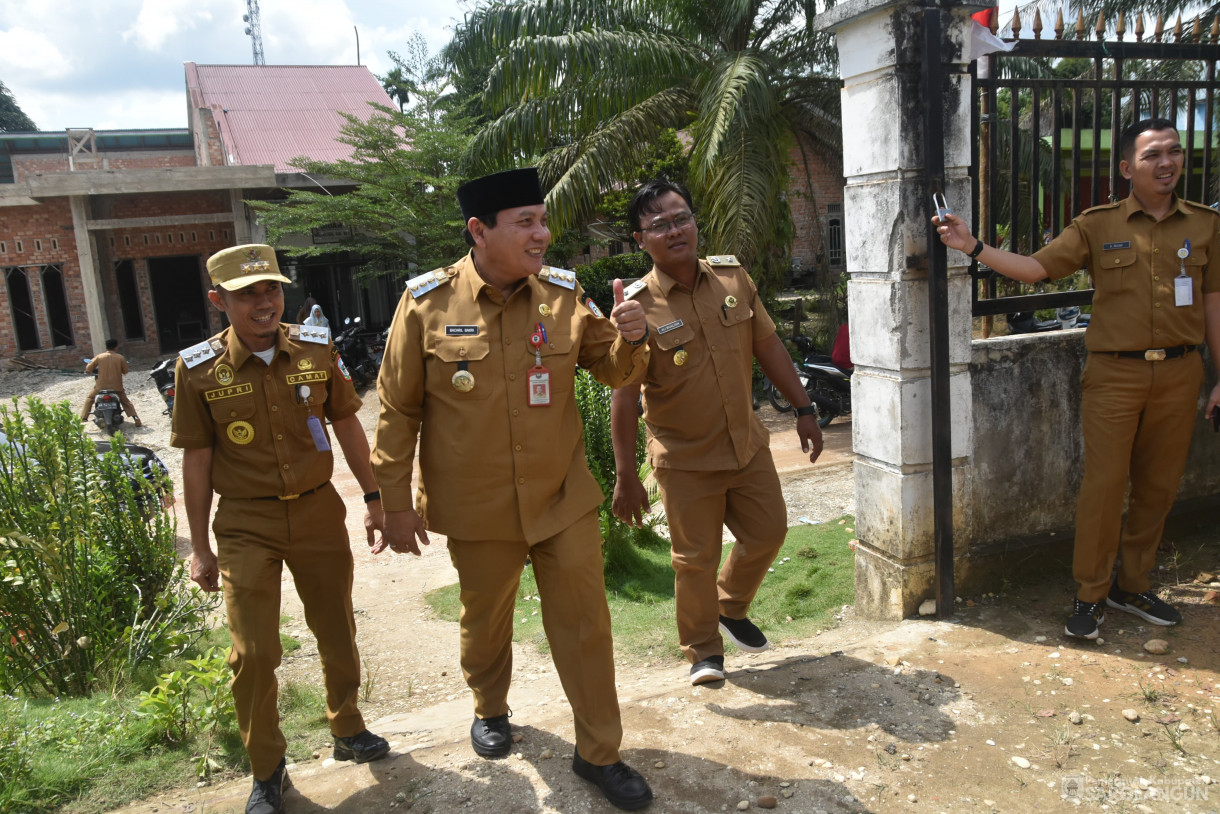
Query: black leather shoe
<point>623,786</point>
<point>268,795</point>
<point>361,747</point>
<point>491,737</point>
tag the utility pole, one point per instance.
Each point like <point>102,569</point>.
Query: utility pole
<point>254,30</point>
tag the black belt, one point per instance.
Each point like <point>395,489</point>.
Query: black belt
<point>290,497</point>
<point>1156,354</point>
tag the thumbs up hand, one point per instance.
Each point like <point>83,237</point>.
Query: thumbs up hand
<point>628,316</point>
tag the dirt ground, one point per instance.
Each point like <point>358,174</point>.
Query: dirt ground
<point>992,710</point>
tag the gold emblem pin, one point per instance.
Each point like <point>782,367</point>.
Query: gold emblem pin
<point>224,374</point>
<point>304,364</point>
<point>463,381</point>
<point>240,432</point>
<point>730,301</point>
<point>680,357</point>
<point>544,309</point>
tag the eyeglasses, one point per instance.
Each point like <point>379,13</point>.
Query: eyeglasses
<point>662,227</point>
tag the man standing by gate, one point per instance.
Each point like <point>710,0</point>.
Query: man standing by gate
<point>1155,264</point>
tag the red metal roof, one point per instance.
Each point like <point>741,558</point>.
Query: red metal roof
<point>270,114</point>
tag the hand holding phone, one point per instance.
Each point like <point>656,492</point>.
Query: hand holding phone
<point>942,206</point>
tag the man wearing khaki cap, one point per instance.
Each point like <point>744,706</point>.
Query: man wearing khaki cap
<point>250,416</point>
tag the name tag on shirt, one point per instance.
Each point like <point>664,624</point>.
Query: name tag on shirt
<point>461,330</point>
<point>672,326</point>
<point>1122,244</point>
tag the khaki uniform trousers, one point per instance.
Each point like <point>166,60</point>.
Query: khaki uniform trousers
<point>568,569</point>
<point>1137,419</point>
<point>697,505</point>
<point>255,539</point>
<point>128,407</point>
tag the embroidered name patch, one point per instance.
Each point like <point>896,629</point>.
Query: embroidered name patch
<point>311,376</point>
<point>461,330</point>
<point>228,392</point>
<point>671,326</point>
<point>1123,244</point>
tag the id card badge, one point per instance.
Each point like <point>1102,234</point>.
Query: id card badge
<point>319,435</point>
<point>1183,291</point>
<point>540,386</point>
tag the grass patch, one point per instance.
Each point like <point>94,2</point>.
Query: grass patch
<point>813,576</point>
<point>89,755</point>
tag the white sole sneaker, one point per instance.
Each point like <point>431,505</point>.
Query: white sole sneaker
<point>706,672</point>
<point>742,645</point>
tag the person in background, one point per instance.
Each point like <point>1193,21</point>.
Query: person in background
<point>110,368</point>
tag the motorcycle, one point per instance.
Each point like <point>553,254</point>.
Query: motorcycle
<point>107,408</point>
<point>1025,322</point>
<point>163,376</point>
<point>828,385</point>
<point>357,358</point>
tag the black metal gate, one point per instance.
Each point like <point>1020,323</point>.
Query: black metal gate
<point>1046,117</point>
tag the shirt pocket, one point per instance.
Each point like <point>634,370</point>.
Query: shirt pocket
<point>453,355</point>
<point>233,419</point>
<point>558,358</point>
<point>677,352</point>
<point>1114,271</point>
<point>736,324</point>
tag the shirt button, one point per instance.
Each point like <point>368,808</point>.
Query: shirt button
<point>516,412</point>
<point>1156,276</point>
<point>274,408</point>
<point>285,466</point>
<point>279,437</point>
<point>232,414</point>
<point>267,377</point>
<point>1156,251</point>
<point>518,447</point>
<point>1117,261</point>
<point>1158,305</point>
<point>713,347</point>
<point>512,377</point>
<point>520,480</point>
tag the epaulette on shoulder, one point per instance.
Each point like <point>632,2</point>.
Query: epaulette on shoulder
<point>1101,207</point>
<point>560,277</point>
<point>309,333</point>
<point>201,352</point>
<point>1204,207</point>
<point>428,281</point>
<point>635,288</point>
<point>722,260</point>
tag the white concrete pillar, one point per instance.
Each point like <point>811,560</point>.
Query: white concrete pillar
<point>880,57</point>
<point>91,285</point>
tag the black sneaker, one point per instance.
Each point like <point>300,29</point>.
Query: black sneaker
<point>1147,606</point>
<point>361,747</point>
<point>623,786</point>
<point>268,795</point>
<point>710,669</point>
<point>1085,618</point>
<point>745,634</point>
<point>491,737</point>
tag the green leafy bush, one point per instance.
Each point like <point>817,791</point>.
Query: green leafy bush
<point>597,278</point>
<point>90,584</point>
<point>195,701</point>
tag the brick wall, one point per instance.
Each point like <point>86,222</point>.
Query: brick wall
<point>25,166</point>
<point>34,236</point>
<point>209,149</point>
<point>815,181</point>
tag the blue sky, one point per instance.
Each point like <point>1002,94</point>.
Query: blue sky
<point>117,64</point>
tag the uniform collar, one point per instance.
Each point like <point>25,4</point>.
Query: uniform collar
<point>667,282</point>
<point>469,277</point>
<point>1130,206</point>
<point>239,353</point>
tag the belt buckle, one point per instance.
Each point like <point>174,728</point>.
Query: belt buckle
<point>288,497</point>
<point>1155,355</point>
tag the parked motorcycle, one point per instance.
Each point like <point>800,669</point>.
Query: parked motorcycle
<point>163,376</point>
<point>828,385</point>
<point>1025,322</point>
<point>107,408</point>
<point>357,357</point>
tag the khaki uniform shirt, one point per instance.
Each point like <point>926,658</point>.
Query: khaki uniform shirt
<point>110,368</point>
<point>700,413</point>
<point>1133,262</point>
<point>492,467</point>
<point>254,416</point>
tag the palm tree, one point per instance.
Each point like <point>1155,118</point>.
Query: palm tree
<point>590,85</point>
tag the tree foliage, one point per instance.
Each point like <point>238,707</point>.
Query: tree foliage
<point>590,86</point>
<point>12,119</point>
<point>404,211</point>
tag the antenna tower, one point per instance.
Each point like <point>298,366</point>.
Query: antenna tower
<point>254,30</point>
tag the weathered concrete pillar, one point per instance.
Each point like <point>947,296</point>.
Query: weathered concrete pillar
<point>886,216</point>
<point>91,285</point>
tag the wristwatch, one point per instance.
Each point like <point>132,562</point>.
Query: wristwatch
<point>812,410</point>
<point>978,249</point>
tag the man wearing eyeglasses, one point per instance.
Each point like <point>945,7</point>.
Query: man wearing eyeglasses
<point>708,448</point>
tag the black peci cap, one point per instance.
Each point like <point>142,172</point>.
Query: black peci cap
<point>501,190</point>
